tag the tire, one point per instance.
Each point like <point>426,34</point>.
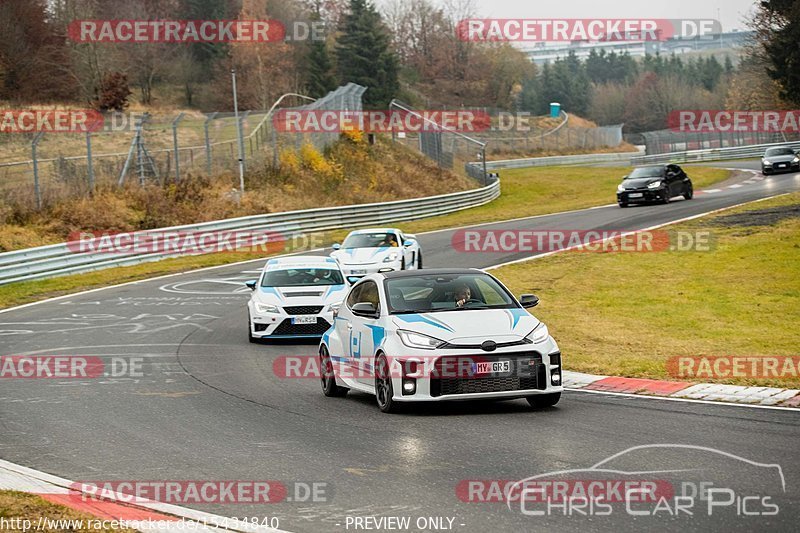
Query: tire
<point>419,260</point>
<point>623,204</point>
<point>666,198</point>
<point>250,337</point>
<point>403,263</point>
<point>329,386</point>
<point>541,401</point>
<point>384,389</point>
<point>689,192</point>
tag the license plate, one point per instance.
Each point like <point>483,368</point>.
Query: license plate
<point>635,195</point>
<point>782,165</point>
<point>304,320</point>
<point>358,272</point>
<point>492,367</point>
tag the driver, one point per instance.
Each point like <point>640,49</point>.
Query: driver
<point>463,295</point>
<point>389,240</point>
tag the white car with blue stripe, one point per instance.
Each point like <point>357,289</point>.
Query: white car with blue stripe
<point>295,297</point>
<point>439,334</point>
<point>369,251</point>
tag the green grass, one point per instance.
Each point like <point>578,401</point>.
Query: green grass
<point>626,314</point>
<point>525,192</point>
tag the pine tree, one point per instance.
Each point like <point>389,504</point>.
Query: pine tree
<point>364,55</point>
<point>319,74</point>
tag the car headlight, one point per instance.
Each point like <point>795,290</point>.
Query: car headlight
<point>267,308</point>
<point>620,188</point>
<point>391,258</point>
<point>418,340</point>
<point>767,163</point>
<point>796,160</point>
<point>540,334</point>
<point>654,185</point>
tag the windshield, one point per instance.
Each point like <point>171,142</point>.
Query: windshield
<point>425,294</point>
<point>294,277</point>
<point>646,172</point>
<point>779,151</point>
<point>370,240</point>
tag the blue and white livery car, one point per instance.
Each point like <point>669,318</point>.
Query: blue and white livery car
<point>368,251</point>
<point>295,296</point>
<point>439,334</point>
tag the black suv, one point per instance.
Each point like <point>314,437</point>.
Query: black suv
<point>656,183</point>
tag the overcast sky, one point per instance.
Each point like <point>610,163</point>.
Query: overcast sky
<point>730,12</point>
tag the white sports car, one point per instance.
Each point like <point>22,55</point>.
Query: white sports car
<point>439,334</point>
<point>368,251</point>
<point>295,297</point>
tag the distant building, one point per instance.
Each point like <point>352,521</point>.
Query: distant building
<point>541,53</point>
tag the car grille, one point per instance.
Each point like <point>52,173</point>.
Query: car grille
<point>287,328</point>
<point>303,309</point>
<point>523,375</point>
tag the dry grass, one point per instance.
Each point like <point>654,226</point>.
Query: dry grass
<point>349,172</point>
<point>19,505</point>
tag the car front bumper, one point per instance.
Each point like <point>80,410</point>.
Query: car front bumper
<point>780,167</point>
<point>279,325</point>
<point>641,196</point>
<point>359,271</point>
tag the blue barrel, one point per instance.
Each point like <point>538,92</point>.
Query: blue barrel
<point>555,109</point>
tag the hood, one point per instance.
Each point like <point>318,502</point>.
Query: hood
<point>296,296</point>
<point>780,158</point>
<point>363,256</point>
<point>470,326</point>
<point>638,183</point>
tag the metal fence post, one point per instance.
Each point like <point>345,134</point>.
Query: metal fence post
<point>208,141</point>
<point>89,166</point>
<point>175,144</point>
<point>37,191</point>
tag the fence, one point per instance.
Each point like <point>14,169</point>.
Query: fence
<point>58,259</point>
<point>668,141</point>
<point>448,148</point>
<point>564,137</point>
<point>42,169</point>
<point>714,154</point>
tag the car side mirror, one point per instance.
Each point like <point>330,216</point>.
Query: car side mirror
<point>365,309</point>
<point>528,300</point>
<point>251,284</point>
<point>352,279</point>
<point>408,243</point>
<point>336,246</point>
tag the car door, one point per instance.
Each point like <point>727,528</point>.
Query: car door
<point>344,326</point>
<point>674,179</point>
<point>362,336</point>
<point>408,252</point>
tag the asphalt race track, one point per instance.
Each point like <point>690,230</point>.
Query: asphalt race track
<point>209,407</point>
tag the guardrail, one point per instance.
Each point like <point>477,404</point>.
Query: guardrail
<point>560,160</point>
<point>711,154</point>
<point>59,259</point>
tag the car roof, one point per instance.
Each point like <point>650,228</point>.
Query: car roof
<point>431,272</point>
<point>301,261</point>
<point>374,230</point>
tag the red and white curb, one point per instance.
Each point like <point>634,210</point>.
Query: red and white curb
<point>736,394</point>
<point>147,515</point>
